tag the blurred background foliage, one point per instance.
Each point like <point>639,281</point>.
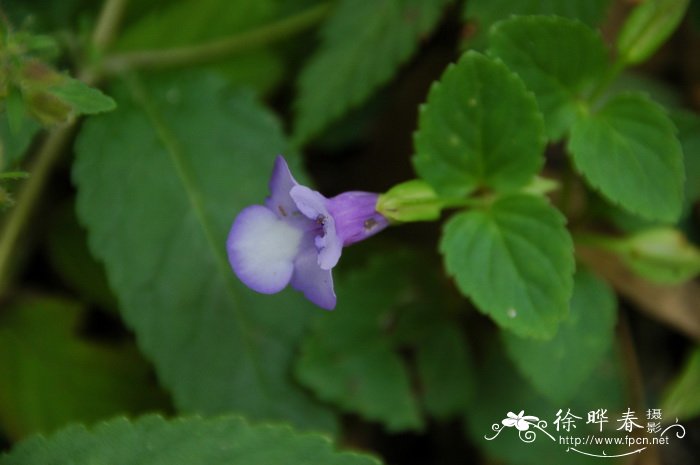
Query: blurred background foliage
<point>116,295</point>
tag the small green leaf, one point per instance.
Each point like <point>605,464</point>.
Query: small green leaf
<point>160,181</point>
<point>628,149</point>
<point>152,440</point>
<point>558,367</point>
<point>662,255</point>
<point>479,128</point>
<point>362,46</point>
<point>84,100</point>
<point>688,125</point>
<point>483,13</point>
<point>515,260</point>
<point>15,143</point>
<point>682,397</point>
<point>649,25</point>
<point>559,59</point>
<point>50,377</point>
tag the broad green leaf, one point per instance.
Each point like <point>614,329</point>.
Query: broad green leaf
<point>558,367</point>
<point>647,27</point>
<point>501,389</point>
<point>82,98</point>
<point>153,440</point>
<point>479,128</point>
<point>515,261</point>
<point>559,59</point>
<point>49,376</point>
<point>362,46</point>
<point>628,150</point>
<point>354,357</point>
<point>682,397</point>
<point>484,13</point>
<point>160,181</point>
<point>67,251</point>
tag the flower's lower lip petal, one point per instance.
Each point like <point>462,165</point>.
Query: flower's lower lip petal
<point>309,278</point>
<point>261,249</point>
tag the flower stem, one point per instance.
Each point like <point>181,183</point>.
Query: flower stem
<point>216,49</point>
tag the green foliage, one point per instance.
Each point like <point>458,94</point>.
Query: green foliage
<point>200,21</point>
<point>628,149</point>
<point>682,397</point>
<point>50,376</point>
<point>152,440</point>
<point>558,367</point>
<point>67,250</point>
<point>559,59</point>
<point>216,345</point>
<point>362,46</point>
<point>479,128</point>
<point>14,143</point>
<point>353,357</point>
<point>649,25</point>
<point>501,389</point>
<point>514,259</point>
<point>484,13</point>
<point>83,99</point>
<point>688,125</point>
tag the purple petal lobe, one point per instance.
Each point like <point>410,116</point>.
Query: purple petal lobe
<point>316,283</point>
<point>262,248</point>
<point>281,183</point>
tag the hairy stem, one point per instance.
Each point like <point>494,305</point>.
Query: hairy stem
<point>108,23</point>
<point>216,49</point>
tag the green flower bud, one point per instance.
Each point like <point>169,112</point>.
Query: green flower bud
<point>410,201</point>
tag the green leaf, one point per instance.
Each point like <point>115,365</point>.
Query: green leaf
<point>682,397</point>
<point>484,13</point>
<point>50,377</point>
<point>81,97</point>
<point>688,125</point>
<point>479,128</point>
<point>160,181</point>
<point>362,46</point>
<point>201,21</point>
<point>649,25</point>
<point>355,358</point>
<point>558,367</point>
<point>559,59</point>
<point>14,144</point>
<point>152,440</point>
<point>515,261</point>
<point>446,371</point>
<point>501,390</point>
<point>628,150</point>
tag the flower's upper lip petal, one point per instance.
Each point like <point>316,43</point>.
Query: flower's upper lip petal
<point>309,278</point>
<point>281,183</point>
<point>309,202</point>
<point>262,248</point>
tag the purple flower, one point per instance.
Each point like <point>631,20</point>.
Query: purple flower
<point>297,237</point>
